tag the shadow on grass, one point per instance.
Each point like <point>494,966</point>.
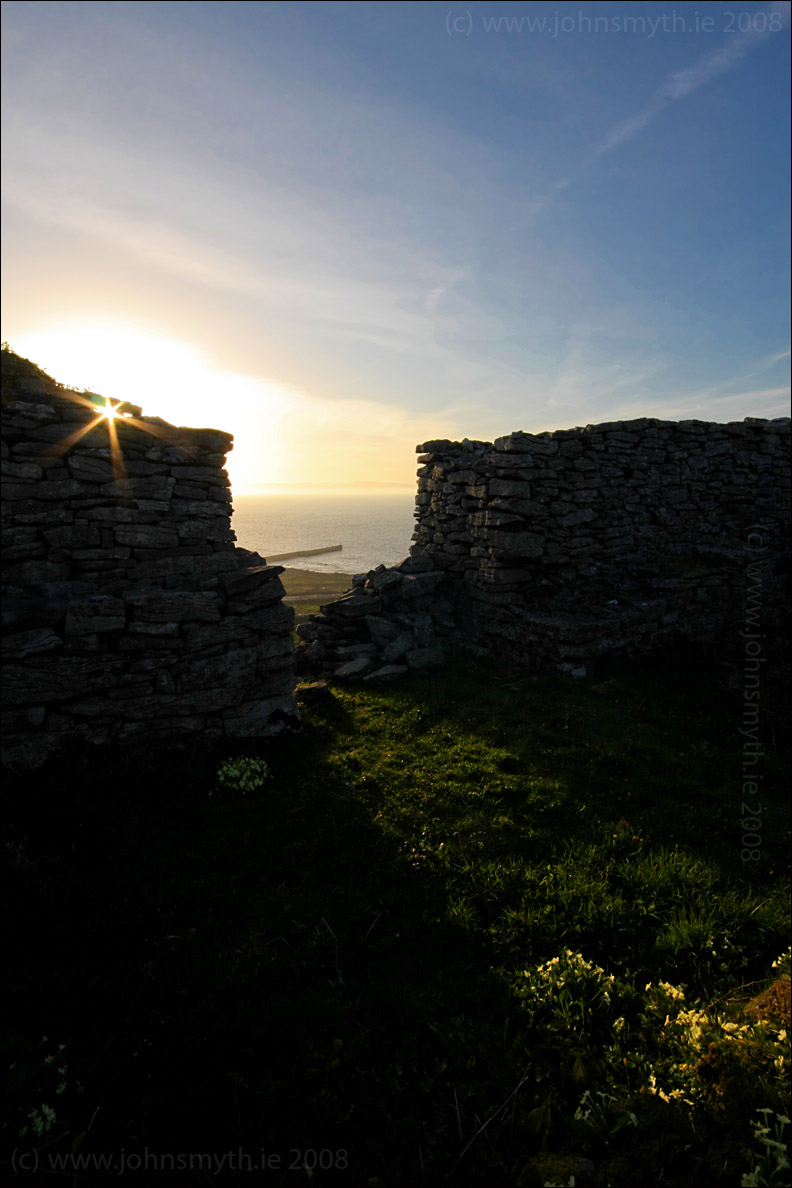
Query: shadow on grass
<point>319,975</point>
<point>264,974</point>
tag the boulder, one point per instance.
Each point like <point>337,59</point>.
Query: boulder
<point>399,647</point>
<point>355,669</point>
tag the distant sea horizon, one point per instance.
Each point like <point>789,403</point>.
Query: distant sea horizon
<point>373,526</point>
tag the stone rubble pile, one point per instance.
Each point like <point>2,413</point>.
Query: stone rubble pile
<point>128,611</point>
<point>393,621</point>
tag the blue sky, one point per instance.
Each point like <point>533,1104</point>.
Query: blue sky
<point>340,229</point>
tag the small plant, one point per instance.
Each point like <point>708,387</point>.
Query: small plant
<point>568,993</point>
<point>240,776</point>
<point>42,1075</point>
<point>601,1114</point>
<point>783,964</point>
<point>771,1165</point>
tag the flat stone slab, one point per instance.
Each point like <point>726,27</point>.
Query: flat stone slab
<point>390,672</point>
<point>354,669</point>
<point>313,693</point>
<point>399,647</point>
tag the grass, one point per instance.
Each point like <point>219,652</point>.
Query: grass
<point>306,590</point>
<point>473,929</point>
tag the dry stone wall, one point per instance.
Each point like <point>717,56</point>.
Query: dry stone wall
<point>128,610</point>
<point>552,549</point>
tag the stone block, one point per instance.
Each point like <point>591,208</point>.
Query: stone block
<point>399,647</point>
<point>232,669</point>
<point>516,544</point>
<point>150,536</point>
<point>386,674</point>
<point>173,606</point>
<point>382,631</point>
<point>420,658</point>
<point>354,669</point>
<point>262,717</point>
<point>415,585</point>
<point>30,643</point>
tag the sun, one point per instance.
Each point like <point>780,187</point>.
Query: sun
<point>119,365</point>
<point>110,411</point>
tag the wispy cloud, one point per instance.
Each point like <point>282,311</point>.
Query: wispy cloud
<point>682,83</point>
<point>760,402</point>
<point>766,363</point>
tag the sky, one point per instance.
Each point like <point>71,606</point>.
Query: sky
<point>337,230</point>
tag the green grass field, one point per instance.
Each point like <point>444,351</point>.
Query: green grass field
<point>472,929</point>
<point>306,590</point>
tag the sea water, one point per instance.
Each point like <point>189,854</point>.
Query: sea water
<point>372,529</point>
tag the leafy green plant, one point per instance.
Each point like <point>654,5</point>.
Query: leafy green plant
<point>37,1076</point>
<point>240,776</point>
<point>770,1166</point>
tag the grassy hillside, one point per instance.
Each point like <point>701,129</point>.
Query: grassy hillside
<point>472,929</point>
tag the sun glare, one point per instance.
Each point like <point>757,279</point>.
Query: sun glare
<point>124,363</point>
<point>109,412</point>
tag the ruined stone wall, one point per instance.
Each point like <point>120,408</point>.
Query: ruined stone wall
<point>573,543</point>
<point>128,611</point>
<point>552,549</point>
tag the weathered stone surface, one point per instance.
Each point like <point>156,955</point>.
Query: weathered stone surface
<point>29,643</point>
<point>237,667</point>
<point>153,487</point>
<point>386,674</point>
<point>424,658</point>
<point>399,647</point>
<point>38,572</point>
<point>573,521</point>
<point>81,535</point>
<point>509,487</point>
<point>386,580</point>
<point>126,602</point>
<point>416,585</point>
<point>272,620</point>
<point>265,594</point>
<point>156,630</point>
<point>356,606</point>
<point>415,563</point>
<point>308,631</point>
<point>244,581</point>
<point>353,669</point>
<point>313,693</point>
<point>60,677</point>
<point>25,471</point>
<point>275,647</point>
<point>382,631</point>
<point>516,544</point>
<point>352,651</point>
<point>262,718</point>
<point>173,606</point>
<point>154,536</point>
<point>95,613</point>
